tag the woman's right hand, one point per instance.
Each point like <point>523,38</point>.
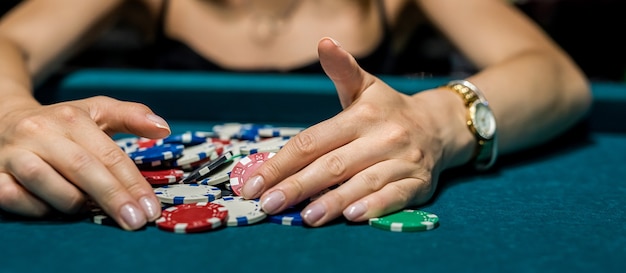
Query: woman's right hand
<point>58,156</point>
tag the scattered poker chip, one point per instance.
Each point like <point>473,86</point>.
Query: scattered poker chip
<point>187,193</point>
<point>195,153</point>
<point>221,174</point>
<point>162,177</point>
<point>157,153</point>
<point>250,131</point>
<point>289,217</point>
<point>241,212</point>
<point>205,170</point>
<point>227,131</point>
<point>187,138</point>
<point>148,142</point>
<point>235,148</point>
<point>242,170</point>
<point>98,216</point>
<point>406,221</point>
<point>271,145</point>
<point>194,165</point>
<point>193,218</point>
<point>279,131</point>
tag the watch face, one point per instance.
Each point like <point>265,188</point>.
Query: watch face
<point>483,119</point>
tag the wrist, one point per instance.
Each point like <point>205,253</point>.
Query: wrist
<point>480,121</point>
<point>13,97</point>
<point>450,115</point>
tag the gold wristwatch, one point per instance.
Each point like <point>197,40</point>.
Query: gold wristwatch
<point>481,122</point>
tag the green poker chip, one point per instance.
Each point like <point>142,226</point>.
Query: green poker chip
<point>407,220</point>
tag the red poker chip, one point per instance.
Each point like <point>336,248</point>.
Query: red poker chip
<point>193,218</point>
<point>163,177</point>
<point>148,143</point>
<point>246,165</point>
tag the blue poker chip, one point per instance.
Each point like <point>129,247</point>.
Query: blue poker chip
<point>187,138</point>
<point>289,217</point>
<point>250,131</point>
<point>157,153</point>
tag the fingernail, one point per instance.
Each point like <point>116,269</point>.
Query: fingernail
<point>334,42</point>
<point>132,216</point>
<point>158,121</point>
<point>150,207</point>
<point>273,201</point>
<point>355,211</point>
<point>252,187</point>
<point>314,213</point>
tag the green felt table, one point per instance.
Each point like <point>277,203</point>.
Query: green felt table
<point>557,208</point>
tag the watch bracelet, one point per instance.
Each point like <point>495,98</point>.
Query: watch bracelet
<point>470,93</point>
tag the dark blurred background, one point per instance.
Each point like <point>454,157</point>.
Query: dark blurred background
<point>591,31</point>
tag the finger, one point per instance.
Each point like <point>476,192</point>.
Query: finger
<point>115,116</point>
<point>332,204</point>
<point>44,182</point>
<point>392,197</point>
<point>87,172</point>
<point>329,169</point>
<point>15,199</point>
<point>301,150</point>
<point>341,67</point>
<point>121,166</point>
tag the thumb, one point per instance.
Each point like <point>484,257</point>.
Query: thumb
<point>349,78</point>
<point>114,116</point>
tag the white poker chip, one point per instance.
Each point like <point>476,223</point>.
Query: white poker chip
<point>242,212</point>
<point>187,193</point>
<point>279,131</point>
<point>271,145</point>
<point>195,153</point>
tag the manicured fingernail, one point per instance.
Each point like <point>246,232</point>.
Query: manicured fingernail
<point>355,211</point>
<point>132,216</point>
<point>273,201</point>
<point>150,207</point>
<point>252,187</point>
<point>314,213</point>
<point>158,121</point>
<point>334,41</point>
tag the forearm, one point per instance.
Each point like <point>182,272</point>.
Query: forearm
<point>535,96</point>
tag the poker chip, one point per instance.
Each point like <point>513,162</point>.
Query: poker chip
<point>204,170</point>
<point>279,131</point>
<point>187,193</point>
<point>242,170</point>
<point>157,153</point>
<point>241,212</point>
<point>195,153</point>
<point>227,131</point>
<point>187,138</point>
<point>148,142</point>
<point>99,217</point>
<point>193,218</point>
<point>221,174</point>
<point>271,145</point>
<point>162,177</point>
<point>194,165</point>
<point>289,217</point>
<point>406,221</point>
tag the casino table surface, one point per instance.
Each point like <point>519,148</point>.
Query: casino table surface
<point>556,208</point>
